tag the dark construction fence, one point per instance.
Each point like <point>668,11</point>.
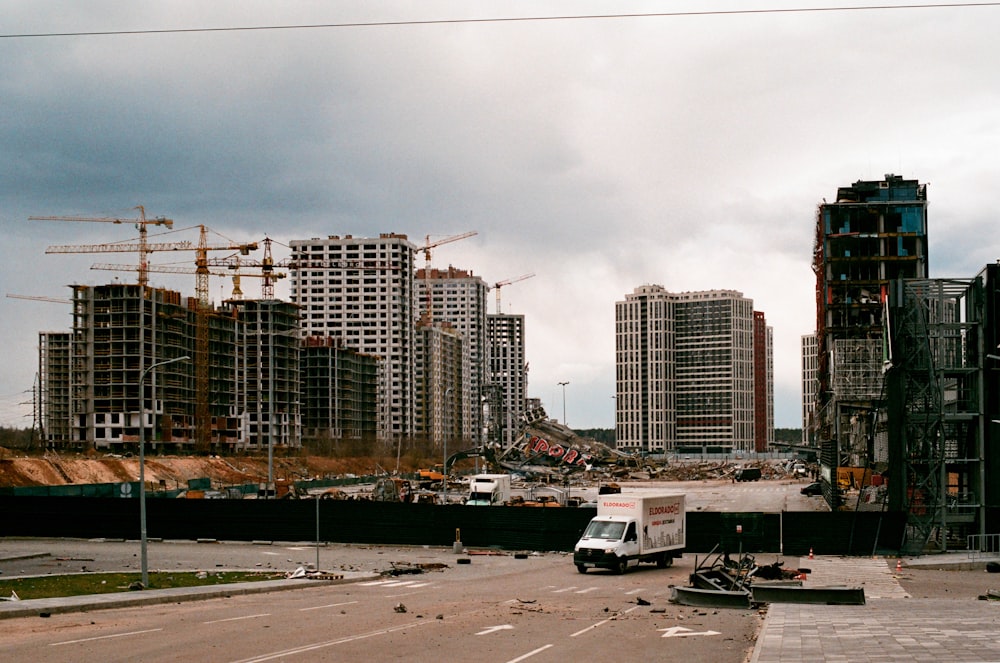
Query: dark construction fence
<point>509,528</point>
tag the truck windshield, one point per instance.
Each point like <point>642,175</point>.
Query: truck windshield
<point>481,497</point>
<point>599,529</point>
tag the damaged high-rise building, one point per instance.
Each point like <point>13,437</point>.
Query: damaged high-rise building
<point>874,232</point>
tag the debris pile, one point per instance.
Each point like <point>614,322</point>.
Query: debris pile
<point>721,582</point>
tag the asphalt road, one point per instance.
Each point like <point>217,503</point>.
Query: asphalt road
<point>495,608</point>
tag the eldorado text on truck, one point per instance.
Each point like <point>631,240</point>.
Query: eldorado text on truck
<point>632,528</point>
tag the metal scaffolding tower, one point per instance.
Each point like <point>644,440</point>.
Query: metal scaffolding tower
<point>935,407</point>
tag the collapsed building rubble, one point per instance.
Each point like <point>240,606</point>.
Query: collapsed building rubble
<point>722,582</point>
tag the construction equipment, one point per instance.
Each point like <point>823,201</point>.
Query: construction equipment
<point>39,298</point>
<point>141,223</point>
<point>426,248</point>
<point>500,284</point>
<point>266,266</point>
<point>177,269</point>
<point>203,420</point>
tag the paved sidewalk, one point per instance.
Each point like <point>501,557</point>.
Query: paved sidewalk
<point>890,627</point>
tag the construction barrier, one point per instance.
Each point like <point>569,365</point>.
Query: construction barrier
<point>510,528</point>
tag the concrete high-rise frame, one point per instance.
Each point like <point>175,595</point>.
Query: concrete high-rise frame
<point>507,376</point>
<point>118,331</point>
<point>269,373</point>
<point>360,292</point>
<point>687,376</point>
<point>458,298</point>
<point>54,365</point>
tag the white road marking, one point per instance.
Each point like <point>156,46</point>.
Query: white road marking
<point>494,629</point>
<point>236,619</point>
<point>564,589</point>
<point>586,591</point>
<point>104,637</point>
<point>328,605</point>
<point>330,643</point>
<point>600,623</point>
<point>635,591</point>
<point>681,632</point>
<point>529,654</point>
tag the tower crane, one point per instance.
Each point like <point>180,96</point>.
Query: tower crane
<point>203,421</point>
<point>201,256</point>
<point>266,265</point>
<point>426,248</point>
<point>500,284</point>
<point>178,269</point>
<point>40,298</point>
<point>141,223</point>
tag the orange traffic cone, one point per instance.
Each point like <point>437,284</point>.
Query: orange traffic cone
<point>899,566</point>
<point>811,554</point>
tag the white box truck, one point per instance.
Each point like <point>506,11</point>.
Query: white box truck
<point>488,490</point>
<point>632,528</point>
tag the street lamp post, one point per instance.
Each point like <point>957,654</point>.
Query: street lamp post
<point>142,466</point>
<point>444,461</point>
<point>563,385</point>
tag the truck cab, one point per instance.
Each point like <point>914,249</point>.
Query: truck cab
<point>488,490</point>
<point>608,542</point>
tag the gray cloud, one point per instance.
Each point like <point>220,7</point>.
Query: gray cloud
<point>601,155</point>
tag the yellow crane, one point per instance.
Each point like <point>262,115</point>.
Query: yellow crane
<point>201,250</point>
<point>235,274</point>
<point>141,223</point>
<point>266,266</point>
<point>426,248</point>
<point>500,284</point>
<point>40,298</point>
<point>203,421</point>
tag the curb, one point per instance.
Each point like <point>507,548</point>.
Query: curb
<point>88,602</point>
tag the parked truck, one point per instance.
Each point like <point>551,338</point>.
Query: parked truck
<point>632,528</point>
<point>488,490</point>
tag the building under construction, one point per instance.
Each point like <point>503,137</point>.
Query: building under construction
<point>339,399</point>
<point>123,335</point>
<point>875,232</point>
<point>908,370</point>
<point>268,372</point>
<point>119,333</point>
<point>936,434</point>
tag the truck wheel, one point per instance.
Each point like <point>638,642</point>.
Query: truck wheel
<point>664,560</point>
<point>582,568</point>
<point>621,566</point>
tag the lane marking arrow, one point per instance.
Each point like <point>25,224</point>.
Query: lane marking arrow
<point>681,632</point>
<point>494,629</point>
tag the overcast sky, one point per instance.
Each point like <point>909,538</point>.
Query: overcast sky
<point>598,154</point>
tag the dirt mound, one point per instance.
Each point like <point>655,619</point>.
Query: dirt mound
<point>174,471</point>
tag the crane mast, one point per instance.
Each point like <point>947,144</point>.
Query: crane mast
<point>203,422</point>
<point>426,248</point>
<point>500,284</point>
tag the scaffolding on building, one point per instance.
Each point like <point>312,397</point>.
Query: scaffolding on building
<point>935,409</point>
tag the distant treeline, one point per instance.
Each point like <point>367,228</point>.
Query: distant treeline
<point>17,438</point>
